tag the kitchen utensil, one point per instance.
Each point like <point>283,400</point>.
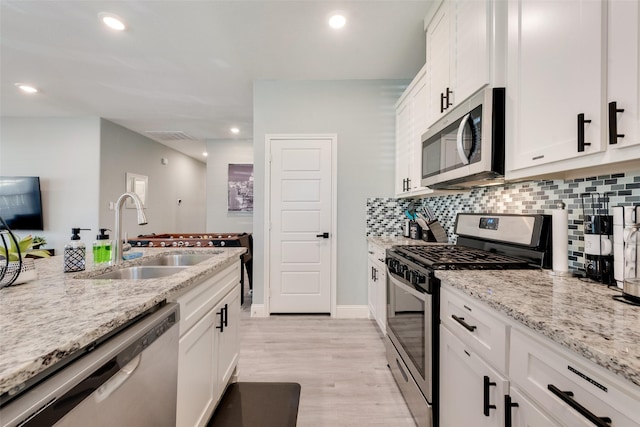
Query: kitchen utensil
<point>415,232</point>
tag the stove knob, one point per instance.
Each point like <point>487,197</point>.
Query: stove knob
<point>163,244</point>
<point>417,278</point>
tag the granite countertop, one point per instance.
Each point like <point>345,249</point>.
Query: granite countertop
<point>48,319</point>
<point>387,242</point>
<point>579,315</point>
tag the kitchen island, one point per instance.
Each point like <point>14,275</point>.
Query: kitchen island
<point>52,318</point>
<point>580,315</point>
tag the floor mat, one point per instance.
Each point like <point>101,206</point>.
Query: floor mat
<point>258,404</point>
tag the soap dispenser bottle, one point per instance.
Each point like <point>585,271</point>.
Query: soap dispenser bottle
<point>75,252</point>
<point>102,249</point>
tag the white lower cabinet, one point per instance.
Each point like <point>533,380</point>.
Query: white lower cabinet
<point>209,345</point>
<point>525,413</point>
<point>573,391</point>
<point>543,384</point>
<point>377,285</point>
<point>471,392</point>
<point>228,338</point>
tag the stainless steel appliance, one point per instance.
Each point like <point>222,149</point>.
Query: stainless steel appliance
<point>485,241</point>
<point>128,380</point>
<point>465,148</point>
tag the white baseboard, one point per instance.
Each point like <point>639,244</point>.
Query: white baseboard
<point>352,312</point>
<point>257,310</point>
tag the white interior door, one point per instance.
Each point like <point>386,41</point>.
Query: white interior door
<point>301,199</point>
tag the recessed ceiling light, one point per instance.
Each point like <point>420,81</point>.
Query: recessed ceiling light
<point>205,154</point>
<point>26,88</point>
<point>337,21</point>
<point>112,21</point>
<point>235,130</point>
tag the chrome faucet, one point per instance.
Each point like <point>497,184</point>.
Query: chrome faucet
<point>142,220</point>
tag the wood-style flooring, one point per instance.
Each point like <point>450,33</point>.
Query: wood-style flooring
<point>339,363</point>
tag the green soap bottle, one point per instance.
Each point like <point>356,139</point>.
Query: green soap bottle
<point>102,249</point>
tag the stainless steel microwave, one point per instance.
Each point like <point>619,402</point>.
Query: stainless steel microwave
<point>465,148</point>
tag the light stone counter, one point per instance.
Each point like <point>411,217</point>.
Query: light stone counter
<point>579,315</point>
<point>48,319</point>
<point>387,242</point>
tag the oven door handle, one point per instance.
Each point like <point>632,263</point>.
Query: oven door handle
<point>421,296</point>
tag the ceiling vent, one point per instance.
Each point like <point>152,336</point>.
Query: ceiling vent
<point>167,135</point>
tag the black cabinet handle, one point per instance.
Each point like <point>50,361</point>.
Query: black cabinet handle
<point>441,102</point>
<point>323,235</point>
<point>567,397</point>
<point>375,274</point>
<point>487,404</point>
<point>508,404</point>
<point>226,315</point>
<point>460,320</point>
<point>408,184</point>
<point>221,313</point>
<point>448,103</point>
<point>581,123</point>
<point>613,123</point>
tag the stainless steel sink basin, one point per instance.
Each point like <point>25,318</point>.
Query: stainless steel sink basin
<point>178,259</point>
<point>141,272</point>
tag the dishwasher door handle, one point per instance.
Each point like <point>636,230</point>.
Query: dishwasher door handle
<point>105,390</point>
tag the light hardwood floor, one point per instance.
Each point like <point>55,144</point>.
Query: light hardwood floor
<point>340,365</point>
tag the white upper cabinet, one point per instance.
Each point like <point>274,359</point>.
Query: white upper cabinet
<point>460,52</point>
<point>573,90</point>
<point>438,59</point>
<point>555,72</point>
<point>411,118</point>
<point>623,84</point>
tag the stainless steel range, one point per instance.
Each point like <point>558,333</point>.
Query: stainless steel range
<point>485,241</point>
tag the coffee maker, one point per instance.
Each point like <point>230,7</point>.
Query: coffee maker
<point>598,237</point>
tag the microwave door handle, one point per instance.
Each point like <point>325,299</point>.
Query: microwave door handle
<point>460,140</point>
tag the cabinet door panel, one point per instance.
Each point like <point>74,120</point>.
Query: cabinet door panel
<point>555,72</point>
<point>624,70</point>
<point>462,389</point>
<point>403,143</point>
<point>438,58</point>
<point>527,414</point>
<point>228,340</point>
<point>196,373</point>
<point>471,26</point>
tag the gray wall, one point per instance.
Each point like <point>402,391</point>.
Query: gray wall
<point>82,162</point>
<point>221,154</point>
<point>65,154</point>
<point>184,178</point>
<point>362,114</point>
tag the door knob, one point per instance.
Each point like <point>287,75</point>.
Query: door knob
<point>323,235</point>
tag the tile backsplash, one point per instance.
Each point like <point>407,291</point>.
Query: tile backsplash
<point>385,216</point>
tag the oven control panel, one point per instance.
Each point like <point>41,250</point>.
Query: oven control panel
<point>488,223</point>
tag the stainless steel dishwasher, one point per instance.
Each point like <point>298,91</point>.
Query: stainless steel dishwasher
<point>129,380</point>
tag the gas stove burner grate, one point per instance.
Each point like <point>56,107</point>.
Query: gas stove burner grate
<point>461,257</point>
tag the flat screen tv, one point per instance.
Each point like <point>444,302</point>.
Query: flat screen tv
<point>21,202</point>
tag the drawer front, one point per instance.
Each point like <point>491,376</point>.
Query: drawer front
<point>376,253</point>
<point>477,327</point>
<point>196,302</point>
<point>561,383</point>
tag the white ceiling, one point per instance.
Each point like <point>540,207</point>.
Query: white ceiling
<point>189,66</point>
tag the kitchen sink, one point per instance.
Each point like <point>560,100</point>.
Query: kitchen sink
<point>178,259</point>
<point>141,272</point>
